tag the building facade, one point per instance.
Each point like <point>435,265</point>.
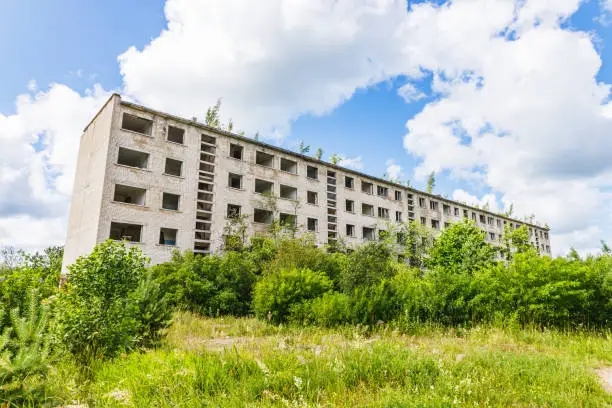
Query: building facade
<point>162,182</point>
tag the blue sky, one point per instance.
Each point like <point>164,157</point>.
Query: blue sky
<point>329,74</point>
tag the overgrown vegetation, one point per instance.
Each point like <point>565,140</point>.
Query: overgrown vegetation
<point>77,341</point>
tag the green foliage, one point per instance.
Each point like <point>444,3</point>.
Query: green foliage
<point>431,182</point>
<point>38,271</point>
<point>319,154</point>
<point>335,158</point>
<point>97,310</point>
<point>276,293</point>
<point>331,309</point>
<point>154,313</point>
<point>461,248</point>
<point>515,241</point>
<point>366,266</point>
<point>211,285</point>
<point>24,353</point>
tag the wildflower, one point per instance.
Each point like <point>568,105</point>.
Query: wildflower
<point>298,382</point>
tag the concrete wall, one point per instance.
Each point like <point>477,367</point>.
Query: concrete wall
<point>87,194</point>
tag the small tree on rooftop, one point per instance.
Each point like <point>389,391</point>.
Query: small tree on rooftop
<point>431,182</point>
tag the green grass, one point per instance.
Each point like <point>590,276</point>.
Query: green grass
<point>232,362</point>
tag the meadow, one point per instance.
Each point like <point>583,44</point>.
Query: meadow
<point>237,362</point>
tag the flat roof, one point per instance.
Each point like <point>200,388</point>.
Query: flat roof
<point>310,159</point>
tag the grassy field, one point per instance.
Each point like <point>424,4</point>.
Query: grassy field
<point>229,362</point>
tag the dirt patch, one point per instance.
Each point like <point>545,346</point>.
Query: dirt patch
<point>605,375</point>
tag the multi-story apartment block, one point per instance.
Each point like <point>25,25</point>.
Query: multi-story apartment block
<point>162,182</point>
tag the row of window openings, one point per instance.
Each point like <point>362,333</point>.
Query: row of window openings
<point>145,126</point>
<point>133,233</point>
<point>290,166</point>
<point>172,134</point>
<point>137,196</point>
<point>433,205</point>
<point>134,158</point>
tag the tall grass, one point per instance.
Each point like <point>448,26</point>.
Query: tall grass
<point>200,364</point>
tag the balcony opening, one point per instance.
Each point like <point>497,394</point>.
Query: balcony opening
<point>204,206</point>
<point>433,205</point>
<point>262,216</point>
<point>236,151</point>
<point>234,181</point>
<point>312,224</point>
<point>209,168</point>
<point>136,124</point>
<point>170,201</point>
<point>264,187</point>
<point>133,158</point>
<point>205,187</point>
<point>167,236</point>
<point>367,209</point>
<point>383,212</point>
<point>289,166</point>
<point>398,195</point>
<point>208,158</point>
<point>368,234</point>
<point>367,187</point>
<point>129,195</point>
<point>124,231</point>
<point>398,216</point>
<point>200,216</point>
<point>264,159</point>
<point>382,191</point>
<point>288,192</point>
<point>350,230</point>
<point>208,139</point>
<point>176,135</point>
<point>312,172</point>
<point>287,220</point>
<point>208,149</point>
<point>199,247</point>
<point>233,211</point>
<point>312,197</point>
<point>173,167</point>
<point>205,196</point>
<point>435,224</point>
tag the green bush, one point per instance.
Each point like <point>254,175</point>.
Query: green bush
<point>366,266</point>
<point>276,293</point>
<point>331,309</point>
<point>97,309</point>
<point>153,312</point>
<point>371,304</point>
<point>212,285</point>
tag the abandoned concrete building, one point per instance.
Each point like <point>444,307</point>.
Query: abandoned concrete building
<point>162,183</point>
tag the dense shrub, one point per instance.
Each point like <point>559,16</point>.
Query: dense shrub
<point>212,285</point>
<point>100,307</point>
<point>366,266</point>
<point>331,309</point>
<point>278,292</point>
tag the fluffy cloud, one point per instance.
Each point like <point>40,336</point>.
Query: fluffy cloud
<point>410,93</point>
<point>354,163</point>
<point>270,61</point>
<point>521,110</point>
<point>37,162</point>
<point>487,201</point>
<point>394,171</point>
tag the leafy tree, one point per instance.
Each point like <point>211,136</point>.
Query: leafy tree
<point>605,249</point>
<point>212,115</point>
<point>335,158</point>
<point>303,148</point>
<point>515,241</point>
<point>509,211</point>
<point>461,248</point>
<point>319,153</point>
<point>431,182</point>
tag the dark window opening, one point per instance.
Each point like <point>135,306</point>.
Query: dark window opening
<point>176,135</point>
<point>167,236</point>
<point>173,167</point>
<point>170,201</point>
<point>124,231</point>
<point>136,124</point>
